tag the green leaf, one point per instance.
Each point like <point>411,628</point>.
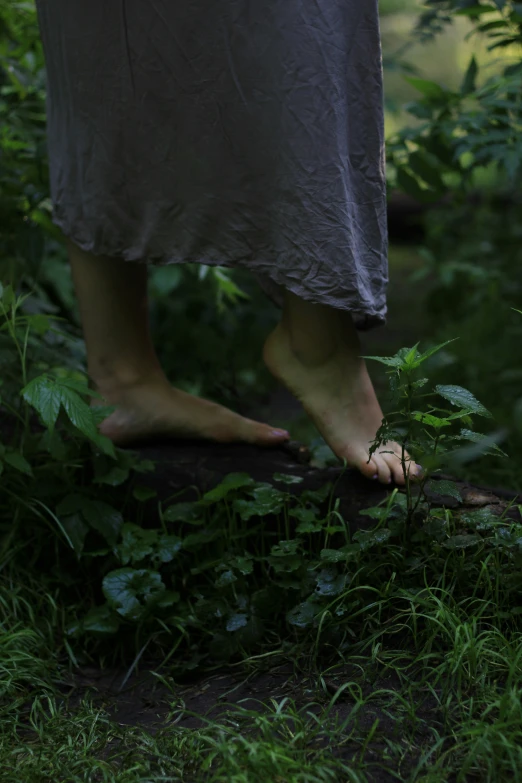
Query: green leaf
<point>430,420</point>
<point>76,530</point>
<point>131,592</point>
<point>370,538</point>
<point>309,521</point>
<point>183,512</point>
<point>444,488</point>
<point>264,500</point>
<point>329,582</point>
<point>229,484</point>
<point>136,543</point>
<point>79,413</point>
<point>44,395</point>
<point>303,615</point>
<point>474,11</point>
<point>390,361</point>
<point>101,621</point>
<point>103,518</point>
<point>490,447</point>
<point>17,461</point>
<point>237,621</point>
<point>410,185</point>
<point>429,89</point>
<point>286,478</point>
<point>143,493</point>
<point>226,578</point>
<point>168,547</point>
<point>99,515</point>
<point>462,398</point>
<point>469,83</point>
<point>423,168</point>
<point>462,542</point>
<point>334,556</point>
<point>427,354</point>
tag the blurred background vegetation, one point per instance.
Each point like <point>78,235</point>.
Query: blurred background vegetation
<point>453,75</point>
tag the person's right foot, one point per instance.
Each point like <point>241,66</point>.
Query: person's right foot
<point>157,410</point>
<point>338,395</point>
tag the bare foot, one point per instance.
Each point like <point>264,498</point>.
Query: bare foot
<point>337,393</point>
<point>156,409</point>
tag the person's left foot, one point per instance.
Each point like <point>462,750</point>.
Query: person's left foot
<point>157,410</point>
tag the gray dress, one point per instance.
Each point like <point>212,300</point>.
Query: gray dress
<point>244,133</point>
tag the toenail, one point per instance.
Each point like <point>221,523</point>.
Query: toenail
<point>376,476</point>
<point>281,433</point>
<point>389,481</point>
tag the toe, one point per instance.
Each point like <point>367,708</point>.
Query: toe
<point>369,469</point>
<point>395,465</point>
<point>383,468</point>
<point>262,434</point>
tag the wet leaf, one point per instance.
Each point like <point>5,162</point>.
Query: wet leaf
<point>285,478</point>
<point>264,500</point>
<point>130,591</point>
<point>167,547</point>
<point>136,543</point>
<point>303,615</point>
<point>368,538</point>
<point>229,484</point>
<point>462,542</point>
<point>236,621</point>
<point>444,488</point>
<point>462,398</point>
<point>226,578</point>
<point>329,582</point>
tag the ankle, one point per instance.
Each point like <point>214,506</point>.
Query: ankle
<point>122,380</point>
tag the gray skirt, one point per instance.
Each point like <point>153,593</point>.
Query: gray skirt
<point>243,133</point>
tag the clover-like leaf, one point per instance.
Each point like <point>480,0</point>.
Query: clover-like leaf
<point>130,591</point>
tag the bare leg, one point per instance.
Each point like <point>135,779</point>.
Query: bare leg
<point>315,352</point>
<point>124,367</point>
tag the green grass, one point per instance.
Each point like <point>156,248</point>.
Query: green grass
<point>412,669</point>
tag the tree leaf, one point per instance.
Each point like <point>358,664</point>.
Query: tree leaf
<point>422,167</point>
<point>470,78</point>
<point>130,592</point>
<point>429,89</point>
<point>462,398</point>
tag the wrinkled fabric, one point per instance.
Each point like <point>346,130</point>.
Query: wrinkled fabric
<point>244,133</point>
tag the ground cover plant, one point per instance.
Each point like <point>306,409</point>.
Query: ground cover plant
<point>389,651</point>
